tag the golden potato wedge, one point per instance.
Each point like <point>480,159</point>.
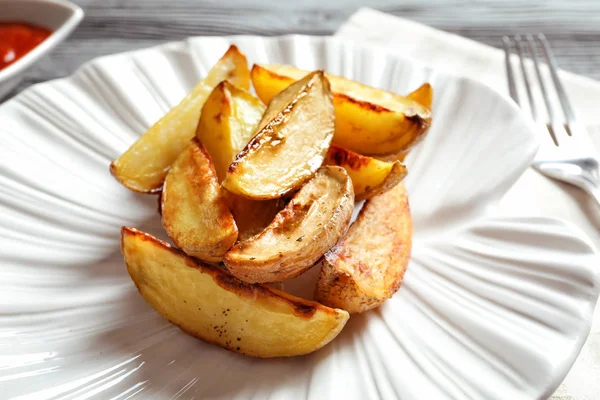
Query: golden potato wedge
<point>194,211</point>
<point>312,222</point>
<point>292,140</point>
<point>367,120</point>
<point>367,266</point>
<point>252,216</point>
<point>145,164</point>
<point>210,304</point>
<point>370,176</point>
<point>423,95</point>
<point>227,123</point>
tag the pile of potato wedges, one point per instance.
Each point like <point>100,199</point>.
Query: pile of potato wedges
<point>257,190</point>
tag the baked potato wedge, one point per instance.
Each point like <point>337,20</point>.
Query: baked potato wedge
<point>228,121</point>
<point>194,211</point>
<point>292,140</point>
<point>309,225</point>
<point>423,95</point>
<point>367,266</point>
<point>145,164</point>
<point>370,176</point>
<point>367,120</point>
<point>252,216</point>
<point>210,304</point>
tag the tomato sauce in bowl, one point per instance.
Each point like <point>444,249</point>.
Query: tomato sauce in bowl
<point>18,39</point>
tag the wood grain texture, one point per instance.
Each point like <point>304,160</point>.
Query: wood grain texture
<point>112,26</point>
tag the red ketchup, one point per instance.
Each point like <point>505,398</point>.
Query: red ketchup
<point>18,39</point>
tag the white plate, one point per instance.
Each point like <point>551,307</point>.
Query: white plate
<point>490,307</point>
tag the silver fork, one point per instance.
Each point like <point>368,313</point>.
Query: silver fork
<point>569,155</point>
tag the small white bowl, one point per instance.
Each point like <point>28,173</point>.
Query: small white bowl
<point>60,16</point>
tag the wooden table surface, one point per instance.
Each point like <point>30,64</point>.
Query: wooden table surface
<point>112,26</point>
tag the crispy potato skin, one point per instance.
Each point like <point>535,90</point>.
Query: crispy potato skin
<point>252,216</point>
<point>295,132</point>
<point>367,266</point>
<point>210,304</point>
<point>370,176</point>
<point>368,121</point>
<point>313,221</point>
<point>143,167</point>
<point>227,123</point>
<point>377,130</point>
<point>424,96</point>
<point>194,211</point>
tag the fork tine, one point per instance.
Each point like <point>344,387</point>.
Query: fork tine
<point>534,56</point>
<point>512,87</point>
<point>560,90</point>
<point>520,51</point>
